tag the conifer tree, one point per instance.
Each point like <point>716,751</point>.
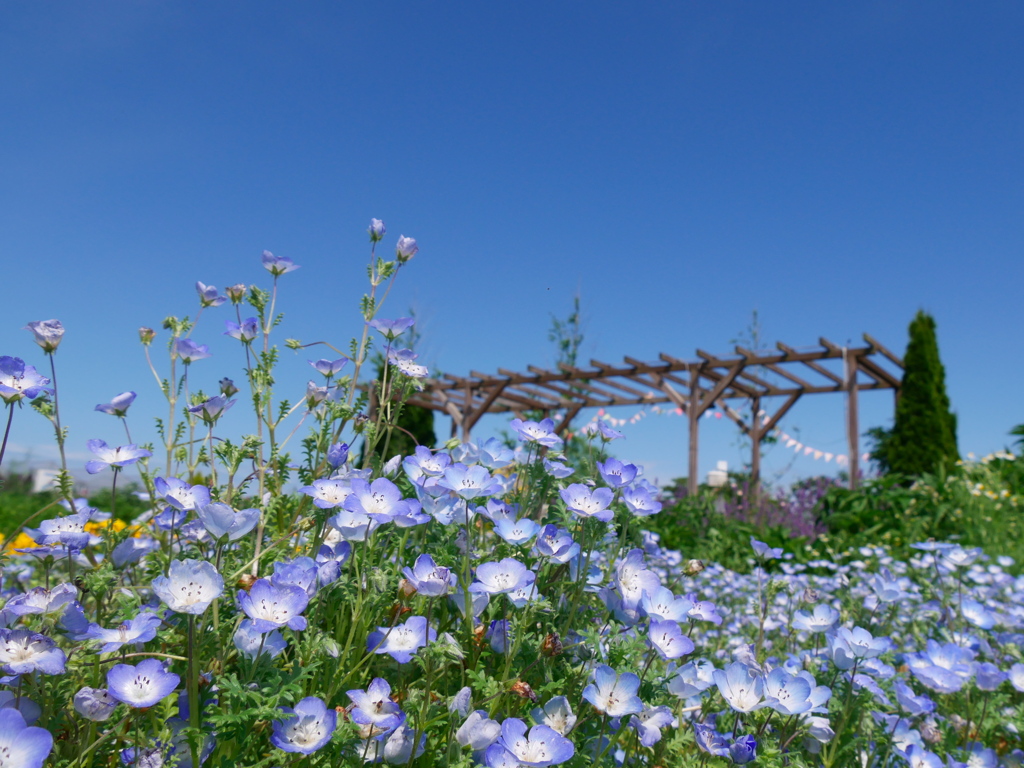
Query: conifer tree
<point>924,430</point>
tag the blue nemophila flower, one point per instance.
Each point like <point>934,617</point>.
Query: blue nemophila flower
<point>943,668</point>
<point>189,351</point>
<point>392,329</point>
<point>143,685</point>
<point>494,454</point>
<point>337,453</point>
<point>23,652</point>
<point>556,543</point>
<point>405,249</point>
<point>329,368</point>
<point>149,757</point>
<point>376,230</point>
<point>249,642</point>
<point>640,501</point>
<point>375,707</point>
<point>607,433</point>
<point>504,576</point>
<point>541,747</point>
<point>977,614</point>
<point>222,521</point>
<point>480,600</point>
<point>648,724</point>
<point>478,732</point>
<point>886,587</point>
<point>211,410</point>
<point>353,526</point>
<point>709,740</point>
<point>380,500</point>
<point>303,572</point>
<point>461,700</point>
<point>668,640</point>
<point>28,708</point>
<point>272,607</point>
<point>616,474</point>
<point>557,469</point>
<point>661,605</point>
<point>22,745</point>
<point>424,463</point>
<point>95,704</point>
<point>403,640</point>
<point>691,679</point>
<point>911,703</point>
<point>40,600</point>
<point>245,331</point>
<point>306,728</point>
<point>139,630</point>
<point>180,494</point>
<point>328,493</point>
<point>398,749</point>
<point>517,531</point>
<point>614,694</point>
<point>763,551</point>
<point>430,579</point>
<point>542,432</point>
<point>208,295</point>
<point>405,361</point>
<point>469,482</point>
<point>585,502</point>
<point>743,750</point>
<point>988,677</point>
<point>847,646</point>
<point>47,334</point>
<point>741,686</point>
<point>18,380</point>
<point>790,694</point>
<point>190,586</point>
<point>132,550</point>
<point>278,265</point>
<point>919,757</point>
<point>121,456</point>
<point>499,636</point>
<point>824,618</point>
<point>633,578</point>
<point>118,405</point>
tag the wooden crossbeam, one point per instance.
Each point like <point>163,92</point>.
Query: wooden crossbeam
<point>876,346</point>
<point>796,356</point>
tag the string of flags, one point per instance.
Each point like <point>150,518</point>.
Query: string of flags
<point>789,441</point>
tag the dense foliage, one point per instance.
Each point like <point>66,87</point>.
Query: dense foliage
<point>923,434</point>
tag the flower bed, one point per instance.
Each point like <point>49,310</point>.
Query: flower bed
<point>493,604</point>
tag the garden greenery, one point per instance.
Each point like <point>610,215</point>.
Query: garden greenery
<point>283,604</point>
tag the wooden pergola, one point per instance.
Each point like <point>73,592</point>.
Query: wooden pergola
<point>693,386</point>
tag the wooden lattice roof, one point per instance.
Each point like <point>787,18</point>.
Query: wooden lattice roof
<point>745,375</point>
<point>693,386</point>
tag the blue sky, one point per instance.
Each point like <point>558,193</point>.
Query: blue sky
<point>835,167</point>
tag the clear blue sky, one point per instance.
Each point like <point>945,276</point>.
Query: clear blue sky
<point>835,166</point>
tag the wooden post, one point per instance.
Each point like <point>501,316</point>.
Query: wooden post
<point>693,412</point>
<point>850,385</point>
<point>467,412</point>
<point>755,449</point>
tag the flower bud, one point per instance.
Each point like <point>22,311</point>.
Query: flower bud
<point>236,292</point>
<point>48,334</point>
<point>524,690</point>
<point>693,567</point>
<point>246,581</point>
<point>227,387</point>
<point>810,595</point>
<point>551,645</point>
<point>95,704</point>
<point>146,335</point>
<point>405,249</point>
<point>376,230</point>
<point>406,589</point>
